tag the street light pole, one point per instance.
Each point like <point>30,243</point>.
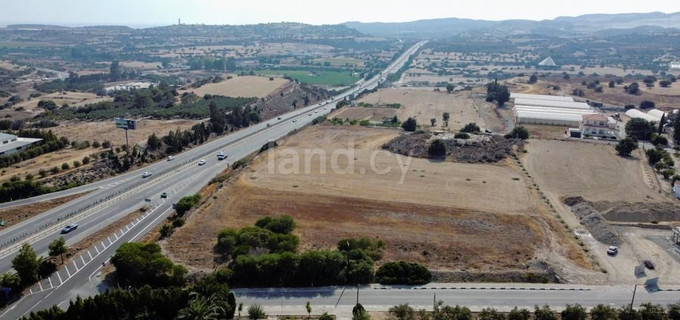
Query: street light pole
<point>633,300</point>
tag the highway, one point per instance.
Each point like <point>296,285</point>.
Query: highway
<point>504,297</point>
<point>114,198</point>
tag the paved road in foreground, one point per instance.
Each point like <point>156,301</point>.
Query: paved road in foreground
<point>504,297</point>
<point>128,192</point>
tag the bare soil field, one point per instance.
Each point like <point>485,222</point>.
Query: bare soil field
<point>71,98</point>
<point>425,105</point>
<point>362,113</point>
<point>449,216</point>
<point>245,86</point>
<point>105,130</point>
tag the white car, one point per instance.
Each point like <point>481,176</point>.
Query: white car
<point>612,250</point>
<point>69,227</point>
<point>294,120</point>
<point>146,174</point>
<point>201,162</point>
<point>170,158</point>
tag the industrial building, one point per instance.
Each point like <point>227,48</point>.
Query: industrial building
<point>10,143</point>
<point>549,110</point>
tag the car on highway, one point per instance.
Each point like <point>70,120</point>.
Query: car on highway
<point>612,250</point>
<point>221,156</point>
<point>69,227</point>
<point>279,118</point>
<point>294,120</point>
<point>201,162</point>
<point>170,158</point>
<point>309,114</point>
<point>146,174</point>
<point>164,195</point>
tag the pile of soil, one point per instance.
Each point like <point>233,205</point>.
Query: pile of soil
<point>486,150</point>
<point>281,101</point>
<point>593,221</point>
<point>638,211</point>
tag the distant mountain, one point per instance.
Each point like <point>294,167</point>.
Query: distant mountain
<point>585,24</point>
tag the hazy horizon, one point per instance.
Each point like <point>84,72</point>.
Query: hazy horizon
<point>150,13</point>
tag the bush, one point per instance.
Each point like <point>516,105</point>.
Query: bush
<point>186,203</point>
<point>518,133</point>
<point>256,312</point>
<point>659,140</point>
<point>461,135</point>
<point>65,166</point>
<point>76,164</point>
<point>409,125</point>
<point>86,160</point>
<point>646,104</point>
<point>471,128</point>
<point>437,149</point>
<point>141,264</point>
<point>401,272</point>
<point>626,146</point>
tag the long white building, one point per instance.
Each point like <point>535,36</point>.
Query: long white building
<point>549,110</point>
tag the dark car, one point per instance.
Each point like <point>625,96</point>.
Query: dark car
<point>649,264</point>
<point>69,227</point>
<point>164,195</point>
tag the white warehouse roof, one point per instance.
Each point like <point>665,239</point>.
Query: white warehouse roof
<point>540,97</point>
<point>552,103</point>
<point>634,113</point>
<point>552,110</point>
<point>656,113</point>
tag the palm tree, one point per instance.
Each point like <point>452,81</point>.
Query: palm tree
<point>200,308</point>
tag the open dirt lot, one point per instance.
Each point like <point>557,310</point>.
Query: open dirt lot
<point>71,98</point>
<point>246,86</point>
<point>450,216</point>
<point>425,105</point>
<point>46,162</point>
<point>361,113</point>
<point>105,130</point>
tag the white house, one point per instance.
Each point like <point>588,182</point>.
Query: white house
<point>10,144</point>
<point>595,125</point>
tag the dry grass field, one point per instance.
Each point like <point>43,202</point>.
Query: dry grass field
<point>593,171</point>
<point>425,105</point>
<point>45,162</point>
<point>449,216</point>
<point>77,99</point>
<point>246,86</point>
<point>105,130</point>
<point>361,113</point>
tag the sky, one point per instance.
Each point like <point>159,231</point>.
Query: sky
<point>143,13</point>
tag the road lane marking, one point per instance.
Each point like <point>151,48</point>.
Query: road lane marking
<point>103,245</point>
<point>127,227</point>
<point>40,284</point>
<point>89,254</point>
<point>50,280</point>
<point>110,242</point>
<point>59,276</point>
<point>67,272</point>
<point>75,265</point>
<point>83,259</point>
<point>95,247</point>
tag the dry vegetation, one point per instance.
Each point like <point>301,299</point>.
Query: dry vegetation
<point>77,99</point>
<point>425,105</point>
<point>46,162</point>
<point>245,86</point>
<point>106,130</point>
<point>15,215</point>
<point>450,216</point>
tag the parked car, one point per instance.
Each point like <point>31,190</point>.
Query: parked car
<point>146,174</point>
<point>164,195</point>
<point>69,227</point>
<point>170,158</point>
<point>488,131</point>
<point>201,162</point>
<point>612,250</point>
<point>649,265</point>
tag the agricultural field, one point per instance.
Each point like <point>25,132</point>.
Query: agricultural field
<point>316,77</point>
<point>341,62</point>
<point>105,130</point>
<point>449,216</point>
<point>424,105</point>
<point>244,86</point>
<point>362,113</point>
<point>74,99</point>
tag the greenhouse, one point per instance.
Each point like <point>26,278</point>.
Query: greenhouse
<point>656,113</point>
<point>540,97</point>
<point>552,103</point>
<point>634,113</point>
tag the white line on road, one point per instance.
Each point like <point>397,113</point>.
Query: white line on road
<point>95,247</point>
<point>75,265</point>
<point>89,254</point>
<point>59,276</point>
<point>67,272</point>
<point>40,284</point>
<point>82,259</point>
<point>110,242</point>
<point>127,227</point>
<point>115,234</point>
<point>50,280</point>
<point>103,245</point>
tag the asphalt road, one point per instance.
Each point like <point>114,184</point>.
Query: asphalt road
<point>116,197</point>
<point>504,297</point>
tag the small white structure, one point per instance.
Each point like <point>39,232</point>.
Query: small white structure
<point>676,189</point>
<point>10,144</point>
<point>547,62</point>
<point>634,113</point>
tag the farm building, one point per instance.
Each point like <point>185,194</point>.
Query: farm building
<point>596,125</point>
<point>549,110</point>
<point>540,97</point>
<point>656,113</point>
<point>10,144</point>
<point>634,113</point>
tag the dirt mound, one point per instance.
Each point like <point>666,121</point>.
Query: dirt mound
<point>593,221</point>
<point>483,150</point>
<point>638,211</point>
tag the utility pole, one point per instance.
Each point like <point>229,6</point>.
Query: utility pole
<point>127,143</point>
<point>633,300</point>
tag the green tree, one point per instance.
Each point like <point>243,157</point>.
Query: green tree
<point>519,314</point>
<point>649,311</point>
<point>519,133</point>
<point>409,125</point>
<point>445,117</point>
<point>186,203</point>
<point>26,263</point>
<point>144,264</point>
<point>450,87</point>
<point>626,146</point>
<point>544,313</point>
<point>676,130</point>
<point>57,248</point>
<point>437,149</point>
<point>199,309</point>
<point>673,311</point>
<point>256,312</point>
<point>240,308</point>
<point>325,316</point>
<point>471,128</point>
<point>490,314</point>
<point>13,282</point>
<point>640,129</point>
<point>603,312</point>
<point>662,122</point>
<point>533,79</point>
<point>646,104</point>
<point>628,313</point>
<point>574,312</point>
<point>453,313</point>
<point>153,142</point>
<point>433,121</point>
<point>359,313</point>
<point>114,71</point>
<point>403,312</point>
<point>308,307</point>
<point>217,118</point>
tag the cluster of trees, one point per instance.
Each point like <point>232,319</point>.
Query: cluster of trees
<point>139,264</point>
<point>402,272</point>
<point>661,160</point>
<point>437,149</point>
<point>497,92</point>
<point>92,82</point>
<point>647,311</point>
<point>266,255</point>
<point>16,188</point>
<point>210,63</point>
<point>639,129</point>
<point>209,299</point>
<point>155,101</point>
<point>49,143</point>
<point>410,125</point>
<point>471,128</point>
<point>29,266</point>
<point>518,133</point>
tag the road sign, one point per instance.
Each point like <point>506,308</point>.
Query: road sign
<point>126,124</point>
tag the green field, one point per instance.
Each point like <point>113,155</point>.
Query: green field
<point>317,77</point>
<point>341,62</point>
